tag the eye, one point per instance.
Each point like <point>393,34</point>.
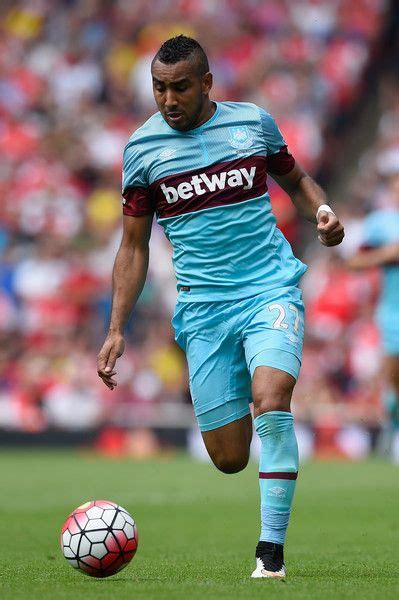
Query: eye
<point>181,88</point>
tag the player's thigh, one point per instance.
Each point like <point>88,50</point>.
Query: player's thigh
<point>273,343</point>
<point>220,384</point>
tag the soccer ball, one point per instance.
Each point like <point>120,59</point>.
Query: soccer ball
<point>99,538</point>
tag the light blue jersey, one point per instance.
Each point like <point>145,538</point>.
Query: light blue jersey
<point>382,228</point>
<point>208,189</point>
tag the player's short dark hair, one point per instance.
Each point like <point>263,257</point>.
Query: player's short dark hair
<point>180,48</point>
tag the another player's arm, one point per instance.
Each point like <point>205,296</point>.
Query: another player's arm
<point>308,196</point>
<point>374,257</point>
<point>129,275</point>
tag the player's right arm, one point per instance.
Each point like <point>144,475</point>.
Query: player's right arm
<point>129,275</point>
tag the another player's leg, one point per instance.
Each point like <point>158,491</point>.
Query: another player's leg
<point>391,405</point>
<point>278,465</point>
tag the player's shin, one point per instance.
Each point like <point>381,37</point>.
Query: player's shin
<point>278,470</point>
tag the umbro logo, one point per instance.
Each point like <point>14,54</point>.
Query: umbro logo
<point>277,492</point>
<point>200,184</point>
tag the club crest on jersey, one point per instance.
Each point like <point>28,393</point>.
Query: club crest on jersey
<point>240,137</point>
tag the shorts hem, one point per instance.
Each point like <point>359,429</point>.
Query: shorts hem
<point>275,364</point>
<point>204,409</point>
<point>224,420</point>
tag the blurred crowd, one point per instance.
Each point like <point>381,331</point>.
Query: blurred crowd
<point>341,379</point>
<point>74,83</point>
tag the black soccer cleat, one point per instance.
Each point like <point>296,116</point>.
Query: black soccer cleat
<point>269,560</point>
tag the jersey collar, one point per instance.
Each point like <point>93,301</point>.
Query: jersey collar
<point>200,128</point>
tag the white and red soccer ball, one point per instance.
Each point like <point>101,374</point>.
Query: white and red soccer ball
<point>99,538</point>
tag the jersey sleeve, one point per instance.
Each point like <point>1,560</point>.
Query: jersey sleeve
<point>279,160</point>
<point>135,189</point>
<point>372,236</point>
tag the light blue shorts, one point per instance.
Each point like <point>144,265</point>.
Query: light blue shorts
<point>224,343</point>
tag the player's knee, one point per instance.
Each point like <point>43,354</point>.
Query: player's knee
<point>271,390</point>
<point>265,404</point>
<point>229,463</point>
<point>266,399</point>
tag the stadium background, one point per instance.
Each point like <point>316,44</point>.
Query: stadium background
<point>74,83</point>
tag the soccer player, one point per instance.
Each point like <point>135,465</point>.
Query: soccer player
<point>381,249</point>
<point>201,166</point>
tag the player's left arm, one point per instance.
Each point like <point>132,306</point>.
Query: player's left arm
<point>308,197</point>
<point>374,257</point>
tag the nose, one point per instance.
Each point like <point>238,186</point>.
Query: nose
<point>170,100</point>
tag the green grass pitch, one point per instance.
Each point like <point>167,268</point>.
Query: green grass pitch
<point>198,529</point>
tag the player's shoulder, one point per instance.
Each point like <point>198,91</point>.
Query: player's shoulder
<point>380,225</point>
<point>141,142</point>
<point>379,217</point>
<point>241,110</point>
<point>252,114</point>
<point>139,145</point>
<point>152,126</point>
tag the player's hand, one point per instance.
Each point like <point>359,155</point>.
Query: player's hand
<point>112,349</point>
<point>330,230</point>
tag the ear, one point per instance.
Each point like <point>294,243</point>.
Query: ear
<point>207,81</point>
